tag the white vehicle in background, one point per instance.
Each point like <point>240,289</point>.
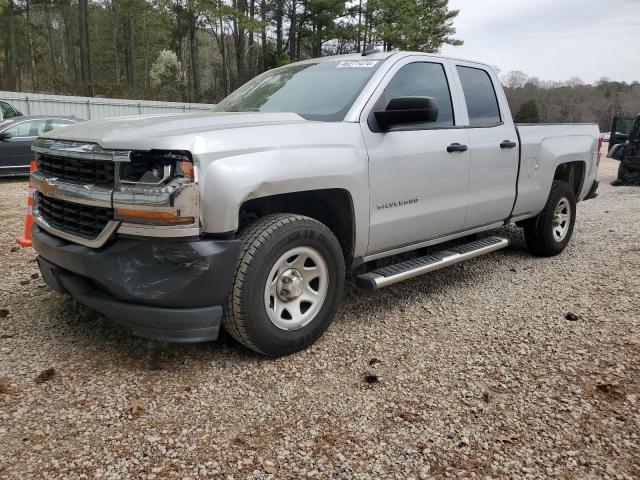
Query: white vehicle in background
<point>249,216</point>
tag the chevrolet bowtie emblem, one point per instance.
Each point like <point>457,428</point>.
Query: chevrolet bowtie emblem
<point>47,188</point>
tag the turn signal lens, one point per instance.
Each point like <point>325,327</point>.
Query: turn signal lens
<point>186,168</point>
<point>151,218</point>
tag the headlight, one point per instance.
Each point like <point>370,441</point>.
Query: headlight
<point>158,188</point>
<point>156,167</point>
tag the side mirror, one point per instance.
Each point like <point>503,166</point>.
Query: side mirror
<point>407,110</point>
<point>5,136</point>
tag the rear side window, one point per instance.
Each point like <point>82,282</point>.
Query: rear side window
<point>422,79</point>
<point>482,103</point>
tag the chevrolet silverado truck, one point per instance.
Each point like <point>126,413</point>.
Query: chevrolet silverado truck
<point>249,217</point>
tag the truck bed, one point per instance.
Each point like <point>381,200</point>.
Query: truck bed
<point>542,148</point>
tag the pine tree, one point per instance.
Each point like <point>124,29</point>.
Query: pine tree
<point>417,25</point>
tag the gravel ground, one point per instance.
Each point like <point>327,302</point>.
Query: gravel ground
<point>473,372</point>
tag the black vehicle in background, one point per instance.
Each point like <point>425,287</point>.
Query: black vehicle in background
<point>7,111</point>
<point>629,155</point>
<point>620,129</point>
<point>16,136</point>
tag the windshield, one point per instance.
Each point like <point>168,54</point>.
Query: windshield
<point>315,91</point>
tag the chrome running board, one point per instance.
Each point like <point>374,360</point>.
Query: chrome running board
<point>385,276</point>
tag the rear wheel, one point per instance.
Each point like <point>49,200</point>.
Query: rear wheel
<point>549,233</point>
<point>287,285</point>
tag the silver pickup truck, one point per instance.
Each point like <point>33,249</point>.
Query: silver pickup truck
<point>249,216</point>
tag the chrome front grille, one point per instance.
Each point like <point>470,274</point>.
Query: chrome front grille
<point>95,172</point>
<point>79,186</point>
<point>83,221</point>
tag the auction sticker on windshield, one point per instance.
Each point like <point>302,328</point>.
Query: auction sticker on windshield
<point>357,64</point>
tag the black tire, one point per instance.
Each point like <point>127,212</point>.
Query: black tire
<point>263,243</point>
<point>539,231</point>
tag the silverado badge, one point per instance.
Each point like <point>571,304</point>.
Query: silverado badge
<point>399,203</point>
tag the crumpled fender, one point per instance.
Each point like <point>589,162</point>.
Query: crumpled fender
<point>291,158</point>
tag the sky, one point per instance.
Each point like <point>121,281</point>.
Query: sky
<point>551,39</point>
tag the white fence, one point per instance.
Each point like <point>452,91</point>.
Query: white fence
<point>89,108</point>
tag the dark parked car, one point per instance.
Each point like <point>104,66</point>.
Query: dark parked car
<point>16,136</point>
<point>629,155</point>
<point>7,111</point>
<point>622,127</point>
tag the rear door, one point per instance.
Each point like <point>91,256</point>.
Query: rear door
<point>493,145</point>
<point>418,189</point>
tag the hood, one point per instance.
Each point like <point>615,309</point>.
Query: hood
<point>173,131</point>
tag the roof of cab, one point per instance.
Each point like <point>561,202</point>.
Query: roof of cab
<point>387,55</point>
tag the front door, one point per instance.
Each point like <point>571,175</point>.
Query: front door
<point>418,174</point>
<point>15,152</point>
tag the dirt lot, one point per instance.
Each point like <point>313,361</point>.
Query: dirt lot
<point>480,375</point>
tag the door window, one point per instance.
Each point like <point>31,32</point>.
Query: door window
<point>6,111</point>
<point>31,128</point>
<point>480,96</point>
<point>423,79</point>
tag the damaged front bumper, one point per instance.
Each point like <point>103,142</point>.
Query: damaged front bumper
<point>164,289</point>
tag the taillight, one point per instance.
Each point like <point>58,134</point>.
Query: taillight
<point>600,141</point>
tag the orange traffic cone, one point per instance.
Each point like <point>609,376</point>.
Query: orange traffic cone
<point>25,240</point>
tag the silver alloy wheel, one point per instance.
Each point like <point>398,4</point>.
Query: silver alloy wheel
<point>296,288</point>
<point>561,219</point>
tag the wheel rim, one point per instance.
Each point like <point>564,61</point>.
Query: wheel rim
<point>561,219</point>
<point>296,288</point>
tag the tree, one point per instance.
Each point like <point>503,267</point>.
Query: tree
<point>420,25</point>
<point>515,79</point>
<point>32,54</point>
<point>528,113</point>
<point>574,82</point>
<point>193,16</point>
<point>263,33</point>
<point>165,75</point>
<point>320,25</point>
<point>85,52</point>
<point>7,10</point>
<point>218,16</point>
<point>239,22</point>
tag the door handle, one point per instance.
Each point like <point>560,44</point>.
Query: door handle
<point>508,144</point>
<point>456,147</point>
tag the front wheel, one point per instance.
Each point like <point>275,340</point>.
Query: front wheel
<point>287,284</point>
<point>549,233</point>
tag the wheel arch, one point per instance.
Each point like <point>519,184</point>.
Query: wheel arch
<point>573,173</point>
<point>333,207</point>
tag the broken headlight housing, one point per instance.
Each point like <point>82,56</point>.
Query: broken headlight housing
<point>156,167</point>
<point>158,188</point>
